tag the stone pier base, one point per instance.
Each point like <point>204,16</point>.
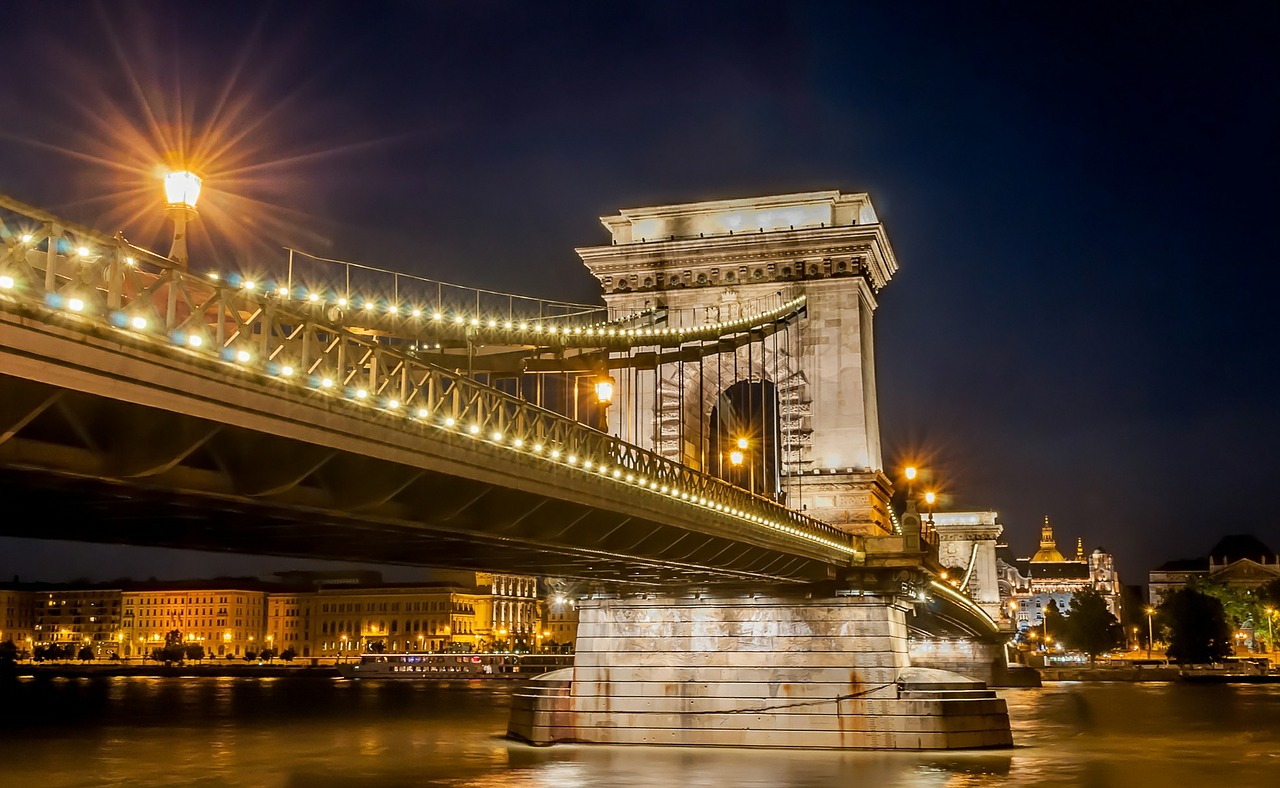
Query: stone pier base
<point>754,672</point>
<point>986,662</point>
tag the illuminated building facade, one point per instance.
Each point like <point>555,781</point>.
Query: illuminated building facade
<point>17,617</point>
<point>227,619</point>
<point>314,615</point>
<point>514,612</point>
<point>78,617</point>
<point>289,617</point>
<point>1238,561</point>
<point>425,617</point>
<point>1027,585</point>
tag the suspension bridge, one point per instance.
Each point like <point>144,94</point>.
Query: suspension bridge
<point>710,433</point>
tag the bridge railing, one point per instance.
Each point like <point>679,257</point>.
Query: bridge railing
<point>52,265</point>
<point>359,283</point>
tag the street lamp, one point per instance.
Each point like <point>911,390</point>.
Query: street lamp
<point>737,456</point>
<point>929,498</point>
<point>604,398</point>
<point>181,190</point>
<point>1271,634</point>
<point>604,391</point>
<point>342,655</point>
<point>1150,631</point>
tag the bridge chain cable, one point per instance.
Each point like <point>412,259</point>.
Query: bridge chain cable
<point>427,311</point>
<point>816,702</point>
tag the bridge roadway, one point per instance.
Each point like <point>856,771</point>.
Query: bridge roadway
<point>143,404</point>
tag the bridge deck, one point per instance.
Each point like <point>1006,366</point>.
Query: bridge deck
<point>126,376</point>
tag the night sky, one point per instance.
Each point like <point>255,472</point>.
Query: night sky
<point>1082,198</point>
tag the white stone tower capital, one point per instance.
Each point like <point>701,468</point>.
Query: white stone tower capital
<point>720,260</point>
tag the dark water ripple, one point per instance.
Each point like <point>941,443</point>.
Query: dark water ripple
<point>294,732</point>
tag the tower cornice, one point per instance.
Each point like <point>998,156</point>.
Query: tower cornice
<point>786,238</point>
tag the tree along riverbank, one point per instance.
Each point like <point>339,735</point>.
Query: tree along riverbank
<point>1241,672</point>
<point>212,668</point>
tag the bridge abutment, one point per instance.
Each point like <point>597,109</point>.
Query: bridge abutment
<point>798,669</point>
<point>985,661</point>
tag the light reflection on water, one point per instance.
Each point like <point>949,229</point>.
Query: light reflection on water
<point>296,732</point>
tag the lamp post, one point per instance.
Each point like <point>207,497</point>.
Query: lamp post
<point>1271,633</point>
<point>738,456</point>
<point>929,498</point>
<point>342,649</point>
<point>604,398</point>
<point>1150,629</point>
<point>181,190</point>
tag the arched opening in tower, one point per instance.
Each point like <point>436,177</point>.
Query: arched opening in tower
<point>744,441</point>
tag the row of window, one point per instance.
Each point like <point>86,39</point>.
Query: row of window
<point>430,625</point>
<point>222,600</point>
<point>394,607</point>
<point>175,611</point>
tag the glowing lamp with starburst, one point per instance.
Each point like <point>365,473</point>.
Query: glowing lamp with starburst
<point>181,190</point>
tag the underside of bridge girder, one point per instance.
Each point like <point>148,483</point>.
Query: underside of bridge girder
<point>96,469</point>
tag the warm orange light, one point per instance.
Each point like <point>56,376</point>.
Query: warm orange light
<point>929,498</point>
<point>182,188</point>
<point>735,457</point>
<point>604,391</point>
<point>910,472</point>
<point>742,443</point>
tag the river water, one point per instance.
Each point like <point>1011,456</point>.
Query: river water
<point>324,732</point>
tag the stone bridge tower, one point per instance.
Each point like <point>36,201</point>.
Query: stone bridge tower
<point>805,395</point>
